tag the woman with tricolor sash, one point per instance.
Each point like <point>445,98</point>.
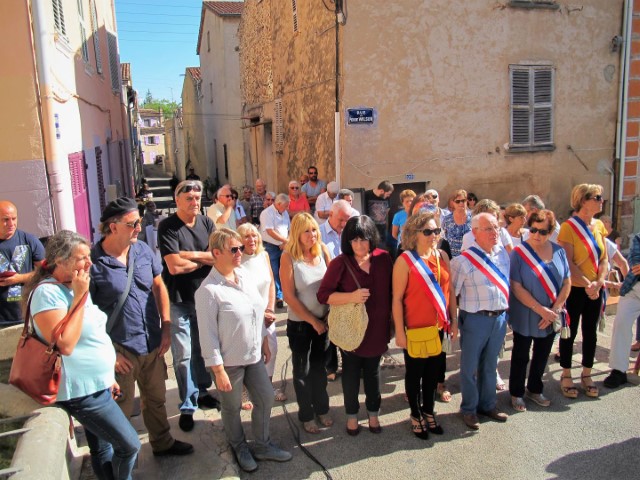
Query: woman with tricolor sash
<point>582,237</point>
<point>540,284</point>
<point>422,297</point>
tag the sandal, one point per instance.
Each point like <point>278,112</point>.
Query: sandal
<point>569,392</point>
<point>325,420</point>
<point>311,427</point>
<point>518,404</point>
<point>589,390</point>
<point>279,396</point>
<point>443,393</point>
<point>418,428</point>
<point>500,386</point>
<point>246,403</point>
<point>432,425</point>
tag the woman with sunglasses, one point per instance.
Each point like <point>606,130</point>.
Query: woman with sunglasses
<point>457,223</point>
<point>582,237</point>
<point>362,274</point>
<point>235,348</point>
<point>540,285</point>
<point>422,297</point>
<point>297,200</point>
<point>302,267</point>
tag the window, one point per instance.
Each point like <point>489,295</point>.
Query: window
<point>548,4</point>
<point>83,31</point>
<point>531,107</point>
<point>208,42</point>
<point>294,8</point>
<point>279,126</point>
<point>211,91</point>
<point>94,34</point>
<point>146,122</point>
<point>114,63</point>
<point>152,140</point>
<point>58,18</point>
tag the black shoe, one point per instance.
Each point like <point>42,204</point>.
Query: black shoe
<point>208,402</point>
<point>186,422</point>
<point>279,303</point>
<point>615,379</point>
<point>178,448</point>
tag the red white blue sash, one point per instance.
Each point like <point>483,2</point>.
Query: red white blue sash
<point>540,270</point>
<point>483,263</point>
<point>431,286</point>
<point>587,238</point>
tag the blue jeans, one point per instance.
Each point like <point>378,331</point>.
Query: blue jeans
<point>113,442</point>
<point>274,257</point>
<point>191,374</point>
<point>480,343</point>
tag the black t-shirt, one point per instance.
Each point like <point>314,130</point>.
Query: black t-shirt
<point>174,236</point>
<point>378,209</point>
<point>17,254</point>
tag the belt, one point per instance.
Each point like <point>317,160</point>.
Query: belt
<point>490,313</point>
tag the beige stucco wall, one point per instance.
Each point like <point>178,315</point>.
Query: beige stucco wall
<point>221,117</point>
<point>438,76</point>
<point>193,132</point>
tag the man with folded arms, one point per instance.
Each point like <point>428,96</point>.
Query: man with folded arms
<point>481,279</point>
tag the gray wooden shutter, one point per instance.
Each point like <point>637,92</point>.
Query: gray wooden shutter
<point>114,63</point>
<point>279,134</point>
<point>58,17</point>
<point>531,105</point>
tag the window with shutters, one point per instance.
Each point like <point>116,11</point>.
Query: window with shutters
<point>114,62</point>
<point>58,18</point>
<point>94,34</point>
<point>279,126</point>
<point>547,4</point>
<point>294,9</point>
<point>531,107</point>
<point>83,32</point>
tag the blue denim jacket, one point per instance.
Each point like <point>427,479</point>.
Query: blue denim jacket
<point>634,259</point>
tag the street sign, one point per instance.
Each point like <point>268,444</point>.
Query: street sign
<point>360,116</point>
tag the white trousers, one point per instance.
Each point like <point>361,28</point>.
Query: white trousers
<point>621,337</point>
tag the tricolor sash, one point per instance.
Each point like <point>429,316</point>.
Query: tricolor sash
<point>431,286</point>
<point>483,263</point>
<point>587,238</point>
<point>540,269</point>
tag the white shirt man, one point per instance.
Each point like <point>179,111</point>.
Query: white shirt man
<point>324,202</point>
<point>331,230</point>
<point>223,211</point>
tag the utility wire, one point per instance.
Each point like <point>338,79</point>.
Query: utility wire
<point>158,14</point>
<point>158,31</point>
<point>154,5</point>
<point>158,23</point>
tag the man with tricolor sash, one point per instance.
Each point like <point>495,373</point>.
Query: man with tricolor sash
<point>481,280</point>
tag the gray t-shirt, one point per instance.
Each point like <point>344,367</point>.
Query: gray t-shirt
<point>307,279</point>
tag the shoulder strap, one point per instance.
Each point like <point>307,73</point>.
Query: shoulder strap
<point>346,263</point>
<point>131,260</point>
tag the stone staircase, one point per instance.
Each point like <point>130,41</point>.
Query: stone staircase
<point>158,181</point>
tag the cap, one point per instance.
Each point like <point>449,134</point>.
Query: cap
<point>117,207</point>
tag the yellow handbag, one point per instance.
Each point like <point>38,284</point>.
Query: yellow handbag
<point>423,342</point>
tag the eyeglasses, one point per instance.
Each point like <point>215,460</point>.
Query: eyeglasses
<point>268,199</point>
<point>597,198</point>
<point>431,231</point>
<point>188,187</point>
<point>235,250</point>
<point>493,229</point>
<point>226,196</point>
<point>133,225</point>
<point>294,188</point>
<point>459,201</point>
<point>541,231</point>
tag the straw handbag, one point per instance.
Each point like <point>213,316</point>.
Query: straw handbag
<point>348,322</point>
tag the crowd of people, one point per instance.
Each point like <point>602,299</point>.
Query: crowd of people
<point>425,275</point>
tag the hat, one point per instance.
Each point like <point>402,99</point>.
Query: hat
<point>117,207</point>
<point>333,187</point>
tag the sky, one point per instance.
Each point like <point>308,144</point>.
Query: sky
<point>159,39</point>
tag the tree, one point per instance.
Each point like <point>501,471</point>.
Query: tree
<point>167,107</point>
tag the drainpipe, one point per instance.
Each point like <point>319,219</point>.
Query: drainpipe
<point>59,179</point>
<point>625,62</point>
<point>337,123</point>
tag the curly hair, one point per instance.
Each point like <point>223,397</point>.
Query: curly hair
<point>416,223</point>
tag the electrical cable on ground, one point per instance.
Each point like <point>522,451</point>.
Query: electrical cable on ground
<point>292,424</point>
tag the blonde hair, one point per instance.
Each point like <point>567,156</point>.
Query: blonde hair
<point>487,205</point>
<point>220,237</point>
<point>301,222</point>
<point>514,210</point>
<point>247,228</point>
<point>580,193</point>
<point>416,223</point>
<point>408,193</point>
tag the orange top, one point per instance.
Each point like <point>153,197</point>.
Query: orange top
<point>419,311</point>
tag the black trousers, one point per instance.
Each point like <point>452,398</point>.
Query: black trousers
<point>353,367</point>
<point>520,359</point>
<point>581,309</point>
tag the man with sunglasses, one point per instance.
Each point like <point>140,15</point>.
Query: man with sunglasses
<point>314,187</point>
<point>183,239</point>
<point>222,213</point>
<point>139,324</point>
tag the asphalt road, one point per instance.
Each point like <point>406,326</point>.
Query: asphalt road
<point>572,439</point>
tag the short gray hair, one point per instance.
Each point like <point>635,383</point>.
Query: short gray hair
<point>282,198</point>
<point>340,206</point>
<point>344,192</point>
<point>534,201</point>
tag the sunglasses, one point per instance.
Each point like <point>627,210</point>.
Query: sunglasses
<point>133,225</point>
<point>235,250</point>
<point>432,197</point>
<point>268,199</point>
<point>294,188</point>
<point>428,231</point>
<point>313,173</point>
<point>541,231</point>
<point>463,200</point>
<point>188,187</point>
<point>597,198</point>
<point>226,196</point>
